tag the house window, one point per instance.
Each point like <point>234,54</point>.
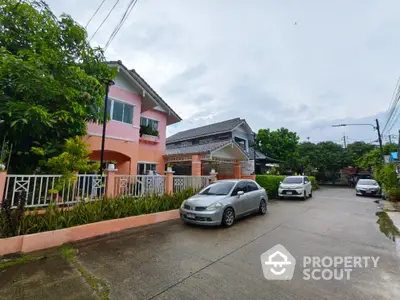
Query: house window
<point>241,142</point>
<point>146,168</point>
<point>120,111</point>
<point>153,124</point>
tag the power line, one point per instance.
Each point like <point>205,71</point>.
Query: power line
<point>393,106</point>
<point>97,10</point>
<point>395,120</point>
<point>126,14</point>
<point>117,28</point>
<point>105,19</point>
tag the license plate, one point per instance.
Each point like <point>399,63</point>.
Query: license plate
<point>191,216</point>
<point>368,192</point>
<point>289,193</point>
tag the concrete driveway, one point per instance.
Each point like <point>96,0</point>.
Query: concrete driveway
<point>174,261</point>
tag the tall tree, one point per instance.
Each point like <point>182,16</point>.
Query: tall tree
<point>50,80</point>
<point>309,157</point>
<point>370,159</point>
<point>389,147</point>
<point>279,144</point>
<point>373,158</point>
<point>331,158</point>
<point>358,149</point>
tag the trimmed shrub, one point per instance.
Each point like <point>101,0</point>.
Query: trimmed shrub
<point>314,182</point>
<point>270,183</point>
<point>85,213</point>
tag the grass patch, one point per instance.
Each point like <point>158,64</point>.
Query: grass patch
<point>98,285</point>
<point>23,259</point>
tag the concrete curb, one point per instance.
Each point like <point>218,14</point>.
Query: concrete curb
<point>49,239</point>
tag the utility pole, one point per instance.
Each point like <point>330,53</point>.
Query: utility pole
<point>380,140</point>
<point>390,138</point>
<point>398,147</point>
<point>308,139</point>
<point>108,83</point>
<point>344,140</point>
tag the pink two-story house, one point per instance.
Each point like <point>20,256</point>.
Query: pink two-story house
<point>136,132</point>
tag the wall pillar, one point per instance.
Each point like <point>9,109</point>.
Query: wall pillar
<point>3,180</point>
<point>196,165</point>
<point>237,170</point>
<point>169,182</point>
<point>110,183</point>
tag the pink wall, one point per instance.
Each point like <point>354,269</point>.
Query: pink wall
<point>161,117</point>
<point>118,129</point>
<point>125,138</point>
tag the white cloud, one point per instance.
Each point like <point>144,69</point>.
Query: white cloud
<point>298,64</point>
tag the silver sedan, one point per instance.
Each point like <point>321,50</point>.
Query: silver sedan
<point>368,187</point>
<point>224,201</point>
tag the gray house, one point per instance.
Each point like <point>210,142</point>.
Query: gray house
<point>225,147</point>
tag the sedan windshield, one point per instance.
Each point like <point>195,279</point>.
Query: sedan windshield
<point>367,182</point>
<point>219,188</point>
<point>293,180</point>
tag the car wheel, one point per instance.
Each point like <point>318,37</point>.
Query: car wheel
<point>311,194</point>
<point>305,195</point>
<point>228,217</point>
<point>263,207</point>
<point>280,198</point>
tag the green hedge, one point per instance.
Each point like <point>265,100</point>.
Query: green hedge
<point>313,182</point>
<point>14,222</point>
<point>271,183</point>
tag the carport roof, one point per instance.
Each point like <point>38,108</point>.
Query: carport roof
<point>196,149</point>
<point>200,148</point>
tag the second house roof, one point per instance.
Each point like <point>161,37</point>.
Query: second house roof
<point>211,129</point>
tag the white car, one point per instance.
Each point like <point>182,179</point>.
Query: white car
<point>295,186</point>
<point>368,187</point>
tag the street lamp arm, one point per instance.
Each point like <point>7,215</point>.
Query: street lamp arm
<point>377,128</point>
<point>355,124</point>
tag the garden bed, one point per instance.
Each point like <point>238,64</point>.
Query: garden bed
<point>43,240</point>
<point>14,222</point>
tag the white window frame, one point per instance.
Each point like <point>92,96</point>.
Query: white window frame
<point>246,142</point>
<point>111,102</point>
<point>145,163</point>
<point>147,123</point>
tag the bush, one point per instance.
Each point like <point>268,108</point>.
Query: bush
<point>314,182</point>
<point>394,194</point>
<point>270,183</point>
<point>386,176</point>
<point>86,212</point>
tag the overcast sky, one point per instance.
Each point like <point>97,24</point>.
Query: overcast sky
<point>303,65</point>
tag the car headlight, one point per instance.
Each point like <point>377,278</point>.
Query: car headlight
<point>183,203</point>
<point>214,206</point>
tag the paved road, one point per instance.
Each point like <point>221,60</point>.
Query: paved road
<point>174,261</point>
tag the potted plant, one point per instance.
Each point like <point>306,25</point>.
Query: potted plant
<point>111,165</point>
<point>2,166</point>
<point>169,168</point>
<point>148,130</point>
<point>213,167</point>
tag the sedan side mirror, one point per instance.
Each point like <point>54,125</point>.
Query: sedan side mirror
<point>240,193</point>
